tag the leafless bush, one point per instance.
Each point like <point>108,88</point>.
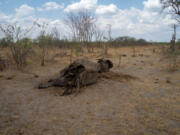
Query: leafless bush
<point>108,39</point>
<point>21,50</point>
<point>171,57</point>
<point>82,26</point>
<point>173,8</point>
<point>98,34</point>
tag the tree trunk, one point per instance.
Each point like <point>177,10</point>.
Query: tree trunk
<point>172,45</point>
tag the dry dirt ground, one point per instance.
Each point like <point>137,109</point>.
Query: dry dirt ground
<point>148,105</point>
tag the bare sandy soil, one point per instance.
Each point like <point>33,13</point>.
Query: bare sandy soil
<point>149,105</point>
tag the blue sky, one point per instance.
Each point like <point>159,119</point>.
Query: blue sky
<point>8,6</point>
<point>137,18</point>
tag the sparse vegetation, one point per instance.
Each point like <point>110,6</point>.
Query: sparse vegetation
<point>139,96</point>
<point>152,98</point>
<point>3,42</point>
<point>15,39</point>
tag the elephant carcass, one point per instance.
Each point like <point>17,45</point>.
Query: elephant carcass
<point>81,72</point>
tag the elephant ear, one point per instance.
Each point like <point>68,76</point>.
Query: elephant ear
<point>80,69</point>
<point>110,64</point>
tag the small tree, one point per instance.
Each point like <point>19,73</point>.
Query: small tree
<point>98,36</point>
<point>20,48</point>
<point>44,40</point>
<point>173,40</point>
<point>109,39</point>
<point>133,44</point>
<point>82,26</point>
<point>55,35</point>
<point>173,7</point>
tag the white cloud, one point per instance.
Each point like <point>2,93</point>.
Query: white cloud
<point>39,9</point>
<point>24,10</point>
<point>103,9</point>
<point>133,22</point>
<point>152,5</point>
<point>52,6</point>
<point>146,23</point>
<point>83,4</point>
<point>4,18</point>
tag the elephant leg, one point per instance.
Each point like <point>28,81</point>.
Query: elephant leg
<point>68,91</point>
<point>45,85</point>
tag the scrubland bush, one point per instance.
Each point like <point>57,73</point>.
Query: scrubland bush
<point>20,51</point>
<point>3,42</point>
<point>44,42</point>
<point>178,43</point>
<point>15,39</point>
<point>171,56</point>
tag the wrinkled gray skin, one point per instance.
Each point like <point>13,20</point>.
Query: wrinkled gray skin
<point>81,72</point>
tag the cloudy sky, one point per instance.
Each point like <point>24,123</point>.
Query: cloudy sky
<point>137,18</point>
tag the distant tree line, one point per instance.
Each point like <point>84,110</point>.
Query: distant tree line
<point>65,43</point>
<point>127,40</point>
<point>56,42</point>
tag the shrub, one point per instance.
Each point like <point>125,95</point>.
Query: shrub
<point>171,57</point>
<point>4,42</point>
<point>15,37</point>
<point>44,41</point>
<point>20,51</point>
